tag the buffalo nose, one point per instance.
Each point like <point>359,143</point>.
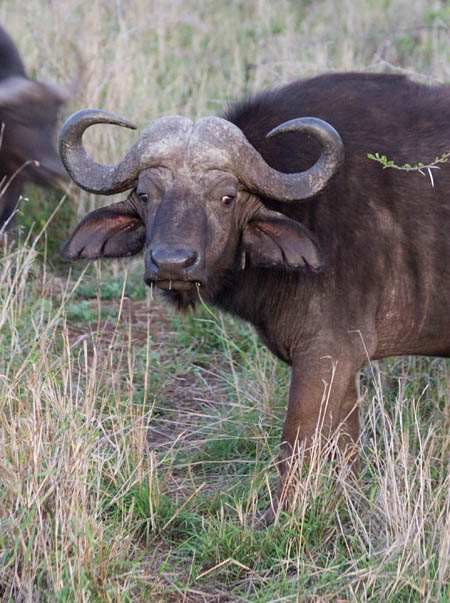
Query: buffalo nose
<point>173,258</point>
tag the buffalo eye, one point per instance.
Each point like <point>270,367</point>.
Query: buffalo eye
<point>227,199</point>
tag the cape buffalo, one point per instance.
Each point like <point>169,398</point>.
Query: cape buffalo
<point>28,113</point>
<point>334,261</point>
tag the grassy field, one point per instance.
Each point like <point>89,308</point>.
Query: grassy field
<point>137,446</point>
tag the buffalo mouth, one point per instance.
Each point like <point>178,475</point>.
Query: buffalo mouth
<point>174,285</point>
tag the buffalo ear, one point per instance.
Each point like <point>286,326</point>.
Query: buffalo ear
<point>111,232</point>
<point>280,242</point>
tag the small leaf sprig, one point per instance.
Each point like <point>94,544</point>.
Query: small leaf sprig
<point>422,168</point>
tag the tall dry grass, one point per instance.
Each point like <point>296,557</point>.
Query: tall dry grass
<point>135,444</point>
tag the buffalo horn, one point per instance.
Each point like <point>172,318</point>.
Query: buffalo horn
<point>257,174</point>
<point>87,173</point>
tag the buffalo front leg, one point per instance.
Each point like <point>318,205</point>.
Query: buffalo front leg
<point>322,418</point>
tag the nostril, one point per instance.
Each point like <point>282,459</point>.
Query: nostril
<point>190,259</point>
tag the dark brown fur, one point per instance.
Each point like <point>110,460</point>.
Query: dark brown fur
<point>379,229</point>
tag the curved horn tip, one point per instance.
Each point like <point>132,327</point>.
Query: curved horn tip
<point>305,124</point>
<point>97,116</point>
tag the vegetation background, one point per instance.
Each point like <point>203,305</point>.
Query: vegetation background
<point>137,446</point>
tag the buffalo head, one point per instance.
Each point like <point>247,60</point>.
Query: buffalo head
<point>196,200</point>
